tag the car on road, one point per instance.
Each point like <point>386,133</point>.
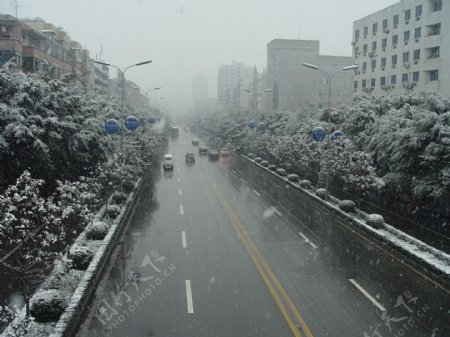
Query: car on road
<point>264,163</point>
<point>190,158</point>
<point>225,152</point>
<point>195,141</point>
<point>213,155</point>
<point>168,162</point>
<point>203,150</point>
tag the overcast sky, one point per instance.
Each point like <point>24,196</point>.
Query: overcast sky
<point>184,37</point>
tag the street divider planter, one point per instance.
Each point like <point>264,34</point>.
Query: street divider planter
<point>322,193</point>
<point>306,184</point>
<point>48,305</point>
<point>375,220</point>
<point>97,230</point>
<point>347,206</point>
<point>80,257</point>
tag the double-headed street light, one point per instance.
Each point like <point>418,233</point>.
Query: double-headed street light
<point>330,76</point>
<point>147,92</point>
<point>122,74</point>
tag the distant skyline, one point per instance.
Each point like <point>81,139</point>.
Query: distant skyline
<point>186,37</point>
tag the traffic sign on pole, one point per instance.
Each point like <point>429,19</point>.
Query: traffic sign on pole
<point>112,126</point>
<point>319,134</point>
<point>132,123</point>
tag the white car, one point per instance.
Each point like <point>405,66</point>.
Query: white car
<point>168,162</point>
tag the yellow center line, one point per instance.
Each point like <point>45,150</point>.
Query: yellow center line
<point>271,281</point>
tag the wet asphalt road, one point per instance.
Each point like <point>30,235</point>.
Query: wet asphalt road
<point>207,255</point>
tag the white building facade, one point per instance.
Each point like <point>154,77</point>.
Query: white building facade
<point>295,87</point>
<point>403,48</point>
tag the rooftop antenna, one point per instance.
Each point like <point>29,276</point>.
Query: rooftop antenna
<point>101,51</point>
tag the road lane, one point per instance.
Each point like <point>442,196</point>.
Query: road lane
<point>228,297</point>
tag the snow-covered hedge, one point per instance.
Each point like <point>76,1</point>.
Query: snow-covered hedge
<point>47,305</point>
<point>97,230</point>
<point>80,256</point>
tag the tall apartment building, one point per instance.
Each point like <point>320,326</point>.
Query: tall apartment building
<point>294,86</point>
<point>230,82</point>
<point>403,48</point>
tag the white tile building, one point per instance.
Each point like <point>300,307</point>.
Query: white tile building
<point>403,48</point>
<point>296,87</point>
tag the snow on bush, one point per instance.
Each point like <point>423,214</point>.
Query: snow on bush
<point>375,220</point>
<point>81,257</point>
<point>97,230</point>
<point>322,193</point>
<point>347,205</point>
<point>113,211</point>
<point>118,198</point>
<point>305,184</point>
<point>47,305</point>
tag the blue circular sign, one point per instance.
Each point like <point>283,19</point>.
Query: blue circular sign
<point>151,120</point>
<point>132,123</point>
<point>261,126</point>
<point>337,134</point>
<point>112,126</point>
<point>319,134</point>
<point>251,124</point>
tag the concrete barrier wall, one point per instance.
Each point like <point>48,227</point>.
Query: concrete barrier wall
<point>354,250</point>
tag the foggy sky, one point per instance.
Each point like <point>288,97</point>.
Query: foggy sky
<point>184,37</point>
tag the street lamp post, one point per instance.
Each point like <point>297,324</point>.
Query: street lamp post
<point>330,76</point>
<point>147,92</point>
<point>122,100</point>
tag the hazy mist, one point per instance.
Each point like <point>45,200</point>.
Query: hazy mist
<point>184,37</point>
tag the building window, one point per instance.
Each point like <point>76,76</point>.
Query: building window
<point>393,79</point>
<point>382,81</point>
<point>374,45</point>
<point>355,85</point>
<point>394,60</point>
<point>434,52</point>
<point>364,48</point>
<point>374,64</point>
<point>366,31</point>
<point>384,43</point>
<point>416,54</point>
<point>435,29</point>
<point>407,14</point>
<point>383,62</point>
<point>394,40</point>
<point>396,20</point>
<point>406,57</point>
<point>434,75</point>
<point>437,5</point>
<point>418,11</point>
<point>417,32</point>
<point>356,50</point>
<point>374,28</point>
<point>363,84</point>
<point>356,35</point>
<point>406,36</point>
<point>415,76</point>
<point>385,24</point>
<point>364,66</point>
<point>404,77</point>
<point>372,83</point>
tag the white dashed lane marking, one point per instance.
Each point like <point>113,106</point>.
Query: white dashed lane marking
<point>183,239</point>
<point>190,305</point>
<point>365,293</point>
<point>181,210</point>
